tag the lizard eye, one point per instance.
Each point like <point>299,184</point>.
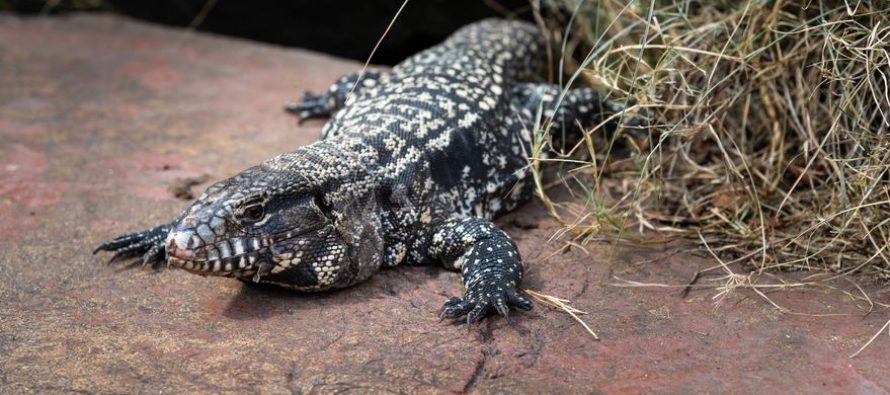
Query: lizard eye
<point>253,213</point>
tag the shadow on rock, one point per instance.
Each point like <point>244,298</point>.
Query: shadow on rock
<point>261,301</point>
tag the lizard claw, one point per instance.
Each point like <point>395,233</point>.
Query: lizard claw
<point>312,106</point>
<point>455,307</point>
<point>148,243</point>
<point>479,302</point>
<point>152,256</point>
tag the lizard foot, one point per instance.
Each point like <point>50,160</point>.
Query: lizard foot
<point>638,121</point>
<point>482,298</point>
<point>312,106</point>
<point>149,243</point>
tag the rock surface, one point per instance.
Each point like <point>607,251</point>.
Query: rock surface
<point>102,122</point>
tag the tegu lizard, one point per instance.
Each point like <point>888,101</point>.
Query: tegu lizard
<point>411,168</point>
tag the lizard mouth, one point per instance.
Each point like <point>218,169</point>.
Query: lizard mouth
<point>228,258</point>
<point>238,257</point>
<point>240,266</point>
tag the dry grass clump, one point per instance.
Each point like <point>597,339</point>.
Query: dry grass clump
<point>768,127</point>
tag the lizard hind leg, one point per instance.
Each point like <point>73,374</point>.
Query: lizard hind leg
<point>567,109</point>
<point>325,104</point>
<point>312,106</point>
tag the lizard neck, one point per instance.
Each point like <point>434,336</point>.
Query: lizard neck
<point>339,170</point>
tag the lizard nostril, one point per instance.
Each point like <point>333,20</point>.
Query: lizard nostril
<point>178,244</point>
<point>194,242</point>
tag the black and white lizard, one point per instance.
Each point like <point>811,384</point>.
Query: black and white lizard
<point>411,168</point>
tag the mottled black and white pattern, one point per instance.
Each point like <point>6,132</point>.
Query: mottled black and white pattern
<point>412,166</point>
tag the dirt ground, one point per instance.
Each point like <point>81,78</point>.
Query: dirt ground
<point>103,120</point>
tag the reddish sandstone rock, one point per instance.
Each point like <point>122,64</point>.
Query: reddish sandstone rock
<point>100,115</point>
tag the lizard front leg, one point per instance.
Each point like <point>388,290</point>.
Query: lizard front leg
<point>148,243</point>
<point>489,264</point>
<point>325,104</point>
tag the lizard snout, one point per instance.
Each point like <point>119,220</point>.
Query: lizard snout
<point>178,244</point>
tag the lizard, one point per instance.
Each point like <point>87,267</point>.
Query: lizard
<point>412,166</point>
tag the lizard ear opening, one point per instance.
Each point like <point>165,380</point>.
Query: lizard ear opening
<point>325,208</point>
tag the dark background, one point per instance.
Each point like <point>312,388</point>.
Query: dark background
<point>347,28</point>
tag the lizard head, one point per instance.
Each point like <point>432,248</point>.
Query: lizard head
<point>274,228</point>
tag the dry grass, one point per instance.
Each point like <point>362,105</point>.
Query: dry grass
<point>565,306</point>
<point>768,129</point>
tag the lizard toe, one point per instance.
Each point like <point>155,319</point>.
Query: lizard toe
<point>455,308</point>
<point>478,312</point>
<point>519,301</point>
<point>477,304</point>
<point>149,244</point>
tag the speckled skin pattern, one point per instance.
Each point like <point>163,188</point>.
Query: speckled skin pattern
<point>411,168</point>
